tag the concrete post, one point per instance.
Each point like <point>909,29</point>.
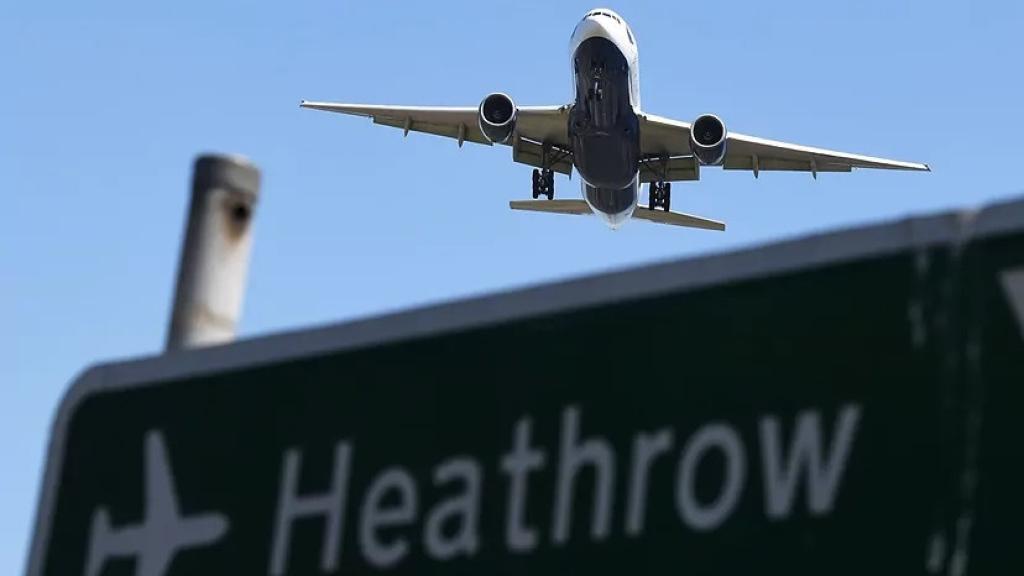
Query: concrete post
<point>215,253</point>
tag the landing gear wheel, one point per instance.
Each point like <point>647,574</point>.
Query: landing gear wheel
<point>544,184</point>
<point>660,196</point>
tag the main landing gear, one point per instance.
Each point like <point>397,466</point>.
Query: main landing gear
<point>661,195</point>
<point>544,175</point>
<point>543,183</point>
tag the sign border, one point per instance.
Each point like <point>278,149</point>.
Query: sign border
<point>787,256</point>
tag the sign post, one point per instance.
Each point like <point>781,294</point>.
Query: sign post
<point>215,252</point>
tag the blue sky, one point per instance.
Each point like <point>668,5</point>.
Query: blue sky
<point>103,106</point>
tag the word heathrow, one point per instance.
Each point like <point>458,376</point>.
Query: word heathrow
<point>390,523</point>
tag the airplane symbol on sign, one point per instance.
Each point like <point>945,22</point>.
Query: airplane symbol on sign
<point>1013,283</point>
<point>162,533</point>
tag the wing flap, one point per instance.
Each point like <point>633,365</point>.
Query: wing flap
<point>675,169</point>
<point>532,154</point>
<point>736,162</point>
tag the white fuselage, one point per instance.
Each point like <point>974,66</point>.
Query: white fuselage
<point>607,24</point>
<point>607,102</point>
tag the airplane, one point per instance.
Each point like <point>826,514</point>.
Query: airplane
<point>162,533</point>
<point>606,136</point>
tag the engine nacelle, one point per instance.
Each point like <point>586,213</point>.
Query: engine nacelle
<point>707,139</point>
<point>497,117</point>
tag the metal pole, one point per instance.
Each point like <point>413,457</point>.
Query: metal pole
<point>215,252</point>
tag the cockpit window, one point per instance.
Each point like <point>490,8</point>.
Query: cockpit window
<point>602,13</point>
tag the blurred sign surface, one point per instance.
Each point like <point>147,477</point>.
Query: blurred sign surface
<point>834,404</point>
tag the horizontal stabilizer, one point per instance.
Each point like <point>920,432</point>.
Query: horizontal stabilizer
<point>677,219</point>
<point>552,206</point>
<point>641,212</point>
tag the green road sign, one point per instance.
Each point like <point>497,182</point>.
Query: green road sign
<point>839,404</point>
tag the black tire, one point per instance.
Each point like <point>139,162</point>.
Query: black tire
<point>542,183</point>
<point>668,196</point>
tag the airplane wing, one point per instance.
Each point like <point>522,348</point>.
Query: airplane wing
<point>161,503</point>
<point>535,126</point>
<point>641,212</point>
<point>664,136</point>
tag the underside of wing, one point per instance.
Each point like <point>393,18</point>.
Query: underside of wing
<point>665,137</point>
<point>661,136</point>
<point>540,136</point>
<point>459,122</point>
<point>752,153</point>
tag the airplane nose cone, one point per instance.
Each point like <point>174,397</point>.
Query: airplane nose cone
<point>591,26</point>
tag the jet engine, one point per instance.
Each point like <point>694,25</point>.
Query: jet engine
<point>707,139</point>
<point>497,117</point>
